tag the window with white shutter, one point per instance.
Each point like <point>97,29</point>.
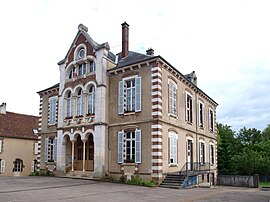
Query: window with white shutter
<point>202,152</point>
<point>52,117</point>
<point>1,145</point>
<point>129,95</point>
<point>2,166</point>
<point>172,98</point>
<point>46,149</point>
<point>201,114</point>
<point>138,146</point>
<point>120,146</point>
<point>36,148</point>
<point>173,141</point>
<point>189,108</point>
<point>211,120</point>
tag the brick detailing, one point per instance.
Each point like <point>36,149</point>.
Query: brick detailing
<point>156,92</point>
<point>39,133</point>
<point>157,153</point>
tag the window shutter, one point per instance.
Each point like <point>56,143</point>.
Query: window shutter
<point>55,149</point>
<point>33,166</point>
<point>120,146</point>
<point>36,149</point>
<point>121,97</point>
<point>203,115</point>
<point>191,110</point>
<point>171,149</point>
<point>71,106</point>
<point>46,149</point>
<point>2,166</point>
<point>138,146</point>
<point>1,142</point>
<point>138,93</point>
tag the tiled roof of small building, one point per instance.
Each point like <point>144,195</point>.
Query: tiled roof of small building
<point>18,125</point>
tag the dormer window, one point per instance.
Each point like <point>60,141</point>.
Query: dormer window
<point>81,53</point>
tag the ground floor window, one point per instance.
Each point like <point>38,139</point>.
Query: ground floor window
<point>212,156</point>
<point>129,146</point>
<point>2,166</point>
<point>18,165</point>
<point>50,149</point>
<point>202,153</point>
<point>173,139</point>
<point>34,166</point>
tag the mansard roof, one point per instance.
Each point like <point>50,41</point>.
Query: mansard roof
<point>18,125</point>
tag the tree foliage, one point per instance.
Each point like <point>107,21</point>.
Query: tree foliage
<point>246,152</point>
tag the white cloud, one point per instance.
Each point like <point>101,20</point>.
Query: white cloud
<point>226,42</point>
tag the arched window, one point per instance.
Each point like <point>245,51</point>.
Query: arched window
<point>91,100</point>
<point>69,101</point>
<point>80,103</point>
<point>72,73</point>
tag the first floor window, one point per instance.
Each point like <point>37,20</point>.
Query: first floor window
<point>18,165</point>
<point>202,152</point>
<point>129,146</point>
<point>173,139</point>
<point>172,98</point>
<point>129,95</point>
<point>52,117</point>
<point>91,100</point>
<point>212,156</point>
<point>82,69</point>
<point>201,114</point>
<point>189,108</point>
<point>211,120</point>
<point>50,149</point>
<point>80,103</point>
<point>2,166</point>
<point>69,105</point>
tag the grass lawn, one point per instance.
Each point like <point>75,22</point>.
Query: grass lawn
<point>264,184</point>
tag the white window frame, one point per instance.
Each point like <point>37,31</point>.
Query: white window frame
<point>50,149</point>
<point>1,145</point>
<point>202,152</point>
<point>18,165</point>
<point>91,101</point>
<point>201,114</point>
<point>172,97</point>
<point>52,115</point>
<point>212,153</point>
<point>211,119</point>
<point>122,95</point>
<point>92,66</point>
<point>189,107</point>
<point>173,155</point>
<point>81,69</point>
<point>2,166</point>
<point>80,104</point>
<point>35,148</point>
<point>69,105</point>
<point>122,146</point>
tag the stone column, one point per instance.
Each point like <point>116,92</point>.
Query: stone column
<point>84,141</point>
<point>72,156</point>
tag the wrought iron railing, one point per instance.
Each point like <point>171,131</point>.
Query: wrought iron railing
<point>194,168</point>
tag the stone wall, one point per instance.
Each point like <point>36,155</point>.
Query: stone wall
<point>238,181</point>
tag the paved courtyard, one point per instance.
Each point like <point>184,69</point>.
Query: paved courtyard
<point>65,189</point>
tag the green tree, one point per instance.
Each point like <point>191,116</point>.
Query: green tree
<point>249,136</point>
<point>266,133</point>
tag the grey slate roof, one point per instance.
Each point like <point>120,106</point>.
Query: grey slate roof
<point>52,87</point>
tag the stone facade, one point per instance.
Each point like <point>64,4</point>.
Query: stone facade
<point>124,114</point>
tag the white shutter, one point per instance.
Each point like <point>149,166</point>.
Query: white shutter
<point>2,166</point>
<point>46,149</point>
<point>203,115</point>
<point>33,166</point>
<point>120,147</point>
<point>138,146</point>
<point>36,148</point>
<point>171,149</point>
<point>138,94</point>
<point>55,149</point>
<point>121,97</point>
<point>71,106</point>
<point>1,143</point>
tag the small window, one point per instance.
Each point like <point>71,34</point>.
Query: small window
<point>92,67</point>
<point>81,53</point>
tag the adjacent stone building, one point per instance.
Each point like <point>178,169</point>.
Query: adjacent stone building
<point>18,143</point>
<point>124,114</point>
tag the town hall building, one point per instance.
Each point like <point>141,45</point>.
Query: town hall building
<point>125,114</point>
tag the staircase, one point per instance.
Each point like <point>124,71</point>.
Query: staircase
<point>173,181</point>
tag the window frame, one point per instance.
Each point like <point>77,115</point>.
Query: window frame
<point>172,97</point>
<point>202,152</point>
<point>1,145</point>
<point>91,101</point>
<point>50,149</point>
<point>80,103</point>
<point>212,153</point>
<point>52,114</point>
<point>173,148</point>
<point>189,107</point>
<point>201,114</point>
<point>211,119</point>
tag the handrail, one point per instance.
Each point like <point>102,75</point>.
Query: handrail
<point>190,168</point>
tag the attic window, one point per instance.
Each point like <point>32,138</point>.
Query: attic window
<point>81,53</point>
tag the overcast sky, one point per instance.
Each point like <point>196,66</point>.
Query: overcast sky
<point>227,44</point>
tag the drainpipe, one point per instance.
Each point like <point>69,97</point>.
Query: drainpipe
<point>196,98</point>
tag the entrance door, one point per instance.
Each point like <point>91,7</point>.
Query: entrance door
<point>189,155</point>
<point>89,154</point>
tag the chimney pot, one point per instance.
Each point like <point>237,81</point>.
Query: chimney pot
<point>3,108</point>
<point>125,36</point>
<point>150,51</point>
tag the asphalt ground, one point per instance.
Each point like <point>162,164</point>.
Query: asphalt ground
<point>65,189</point>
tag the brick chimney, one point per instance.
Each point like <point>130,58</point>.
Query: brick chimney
<point>3,108</point>
<point>125,30</point>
